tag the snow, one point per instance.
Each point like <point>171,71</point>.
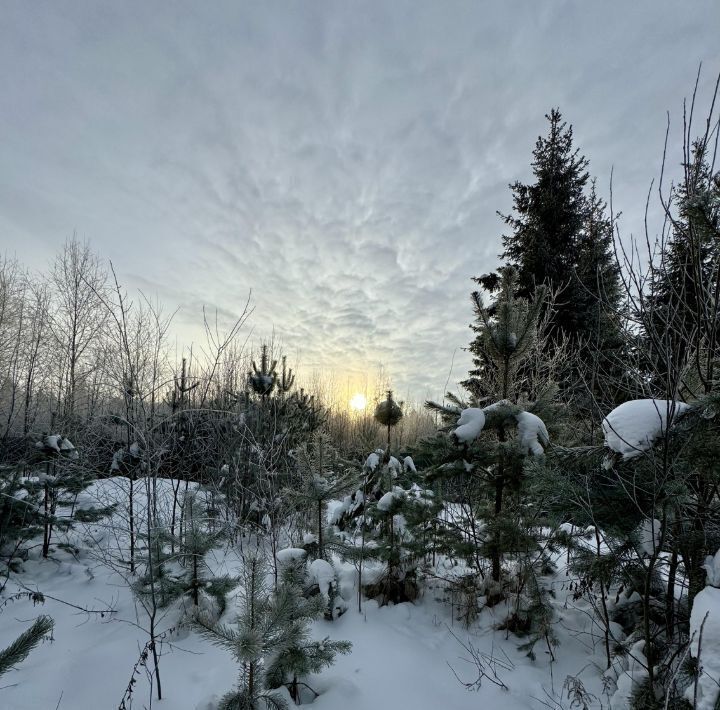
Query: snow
<point>532,433</point>
<point>409,464</point>
<point>386,501</point>
<point>66,445</point>
<point>52,441</point>
<point>631,677</point>
<point>322,573</point>
<point>291,554</point>
<point>712,567</point>
<point>336,508</point>
<point>372,461</point>
<point>469,424</point>
<point>401,654</point>
<point>705,618</point>
<point>632,428</point>
<point>58,444</point>
<point>649,532</point>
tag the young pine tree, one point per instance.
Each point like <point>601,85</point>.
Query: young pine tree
<point>321,480</point>
<point>21,516</point>
<point>300,654</point>
<point>60,482</point>
<point>483,459</point>
<point>176,566</point>
<point>270,641</point>
<point>193,547</point>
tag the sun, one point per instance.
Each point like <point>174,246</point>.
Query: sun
<point>358,402</point>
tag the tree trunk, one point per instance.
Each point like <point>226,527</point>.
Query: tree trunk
<point>320,527</point>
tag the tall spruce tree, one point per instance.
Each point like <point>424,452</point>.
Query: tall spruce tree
<point>547,224</point>
<point>562,238</point>
<point>600,301</point>
<point>680,309</point>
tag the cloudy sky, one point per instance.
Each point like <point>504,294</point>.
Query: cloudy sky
<point>344,160</point>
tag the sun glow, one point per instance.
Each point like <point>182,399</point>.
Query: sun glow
<point>358,402</point>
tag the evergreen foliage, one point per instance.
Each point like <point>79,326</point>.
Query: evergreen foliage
<point>59,485</point>
<point>505,333</point>
<point>649,522</point>
<point>300,655</point>
<point>561,238</point>
<point>399,524</point>
<point>19,649</point>
<point>548,220</point>
<point>176,565</point>
<point>264,378</point>
<point>270,640</point>
<point>388,413</point>
<point>21,516</point>
<point>488,470</point>
<point>275,420</point>
<point>679,308</point>
<point>322,479</point>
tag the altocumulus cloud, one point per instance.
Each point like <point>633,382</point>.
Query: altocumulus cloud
<point>345,161</point>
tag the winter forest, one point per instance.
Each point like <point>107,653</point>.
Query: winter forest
<point>208,527</point>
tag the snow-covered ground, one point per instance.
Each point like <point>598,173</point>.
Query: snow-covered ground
<point>404,656</point>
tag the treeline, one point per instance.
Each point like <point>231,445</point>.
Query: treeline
<point>76,348</point>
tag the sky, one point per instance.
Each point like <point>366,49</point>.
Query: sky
<point>343,161</point>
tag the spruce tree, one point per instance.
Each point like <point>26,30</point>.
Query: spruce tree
<point>548,221</point>
<point>602,357</point>
<point>561,237</point>
<point>678,311</point>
